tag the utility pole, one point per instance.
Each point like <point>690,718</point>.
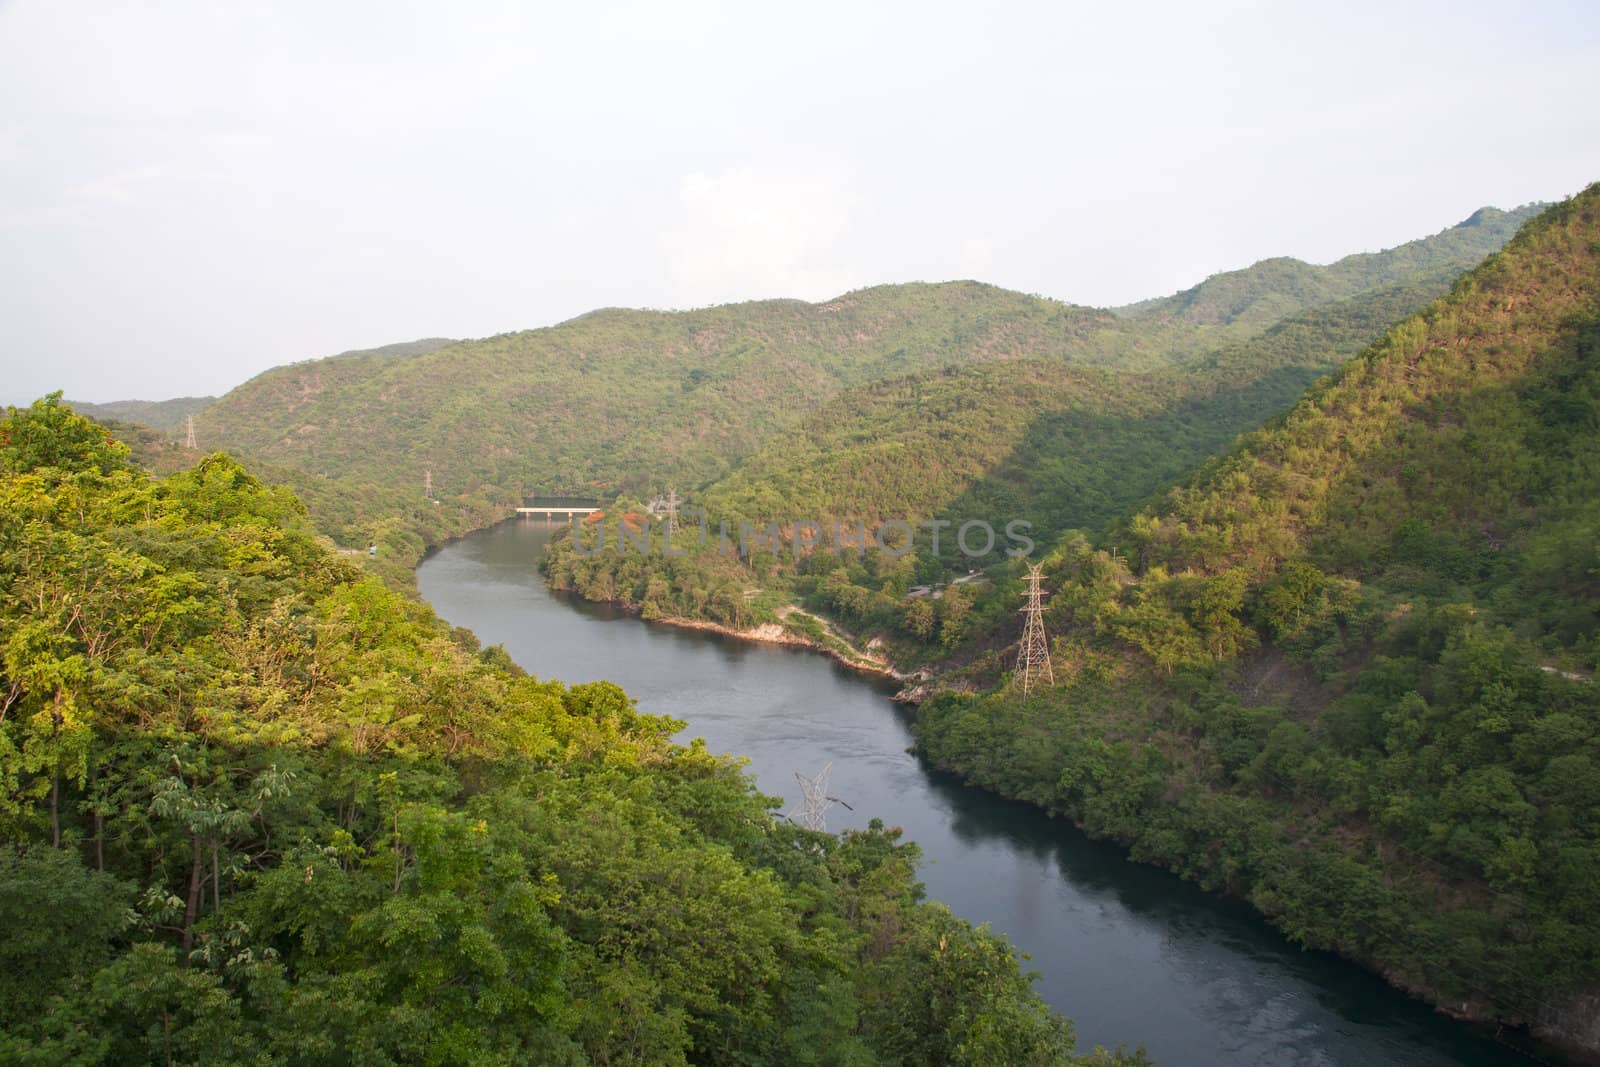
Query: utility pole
<point>427,484</point>
<point>1033,656</point>
<point>189,441</point>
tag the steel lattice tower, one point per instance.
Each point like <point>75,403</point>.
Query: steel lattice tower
<point>815,814</point>
<point>1033,655</point>
<point>666,507</point>
<point>189,443</point>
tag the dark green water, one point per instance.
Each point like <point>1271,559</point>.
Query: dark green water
<point>1130,953</point>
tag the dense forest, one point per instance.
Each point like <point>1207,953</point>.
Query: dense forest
<point>256,807</point>
<point>1054,445</point>
<point>1347,671</point>
<point>1343,670</point>
<point>634,401</point>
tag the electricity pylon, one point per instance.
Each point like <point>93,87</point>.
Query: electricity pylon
<point>189,440</point>
<point>1033,656</point>
<point>666,507</point>
<point>815,815</point>
<point>427,484</point>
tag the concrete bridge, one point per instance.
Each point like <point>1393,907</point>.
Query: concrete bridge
<point>551,507</point>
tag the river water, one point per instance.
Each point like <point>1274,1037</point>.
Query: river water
<point>1128,952</point>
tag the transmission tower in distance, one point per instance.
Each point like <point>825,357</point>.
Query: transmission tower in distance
<point>427,484</point>
<point>189,438</point>
<point>817,800</point>
<point>1033,656</point>
<point>666,507</point>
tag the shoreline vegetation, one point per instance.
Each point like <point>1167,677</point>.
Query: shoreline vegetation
<point>1325,673</point>
<point>283,814</point>
<point>1323,667</point>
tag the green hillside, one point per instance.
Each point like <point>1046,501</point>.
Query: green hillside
<point>620,397</point>
<point>255,808</point>
<point>157,414</point>
<point>1347,671</point>
<point>172,415</point>
<point>1273,288</point>
<point>633,400</point>
<point>1337,673</point>
<point>1057,446</point>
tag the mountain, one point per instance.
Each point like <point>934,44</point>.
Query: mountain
<point>1346,671</point>
<point>173,414</point>
<point>1273,288</point>
<point>640,398</point>
<point>1056,445</point>
<point>156,414</point>
<point>1343,671</point>
<point>619,396</point>
<point>1060,445</point>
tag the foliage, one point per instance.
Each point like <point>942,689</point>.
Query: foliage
<point>1055,445</point>
<point>255,807</point>
<point>1346,670</point>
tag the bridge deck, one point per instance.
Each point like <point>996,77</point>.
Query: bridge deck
<point>557,510</point>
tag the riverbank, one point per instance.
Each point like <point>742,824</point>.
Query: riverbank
<point>829,641</point>
<point>1123,948</point>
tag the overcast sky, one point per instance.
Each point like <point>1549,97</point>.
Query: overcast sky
<point>193,192</point>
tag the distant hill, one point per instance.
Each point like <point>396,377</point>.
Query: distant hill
<point>156,414</point>
<point>619,396</point>
<point>1060,445</point>
<point>1274,288</point>
<point>399,348</point>
<point>173,414</point>
<point>620,399</point>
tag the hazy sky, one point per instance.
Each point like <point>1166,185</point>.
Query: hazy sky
<point>193,192</point>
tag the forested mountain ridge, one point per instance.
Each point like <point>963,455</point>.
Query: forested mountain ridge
<point>617,396</point>
<point>172,414</point>
<point>156,414</point>
<point>621,399</point>
<point>256,808</point>
<point>1346,671</point>
<point>1054,445</point>
<point>1011,427</point>
<point>1273,288</point>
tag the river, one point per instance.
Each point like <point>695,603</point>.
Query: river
<point>1128,952</point>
